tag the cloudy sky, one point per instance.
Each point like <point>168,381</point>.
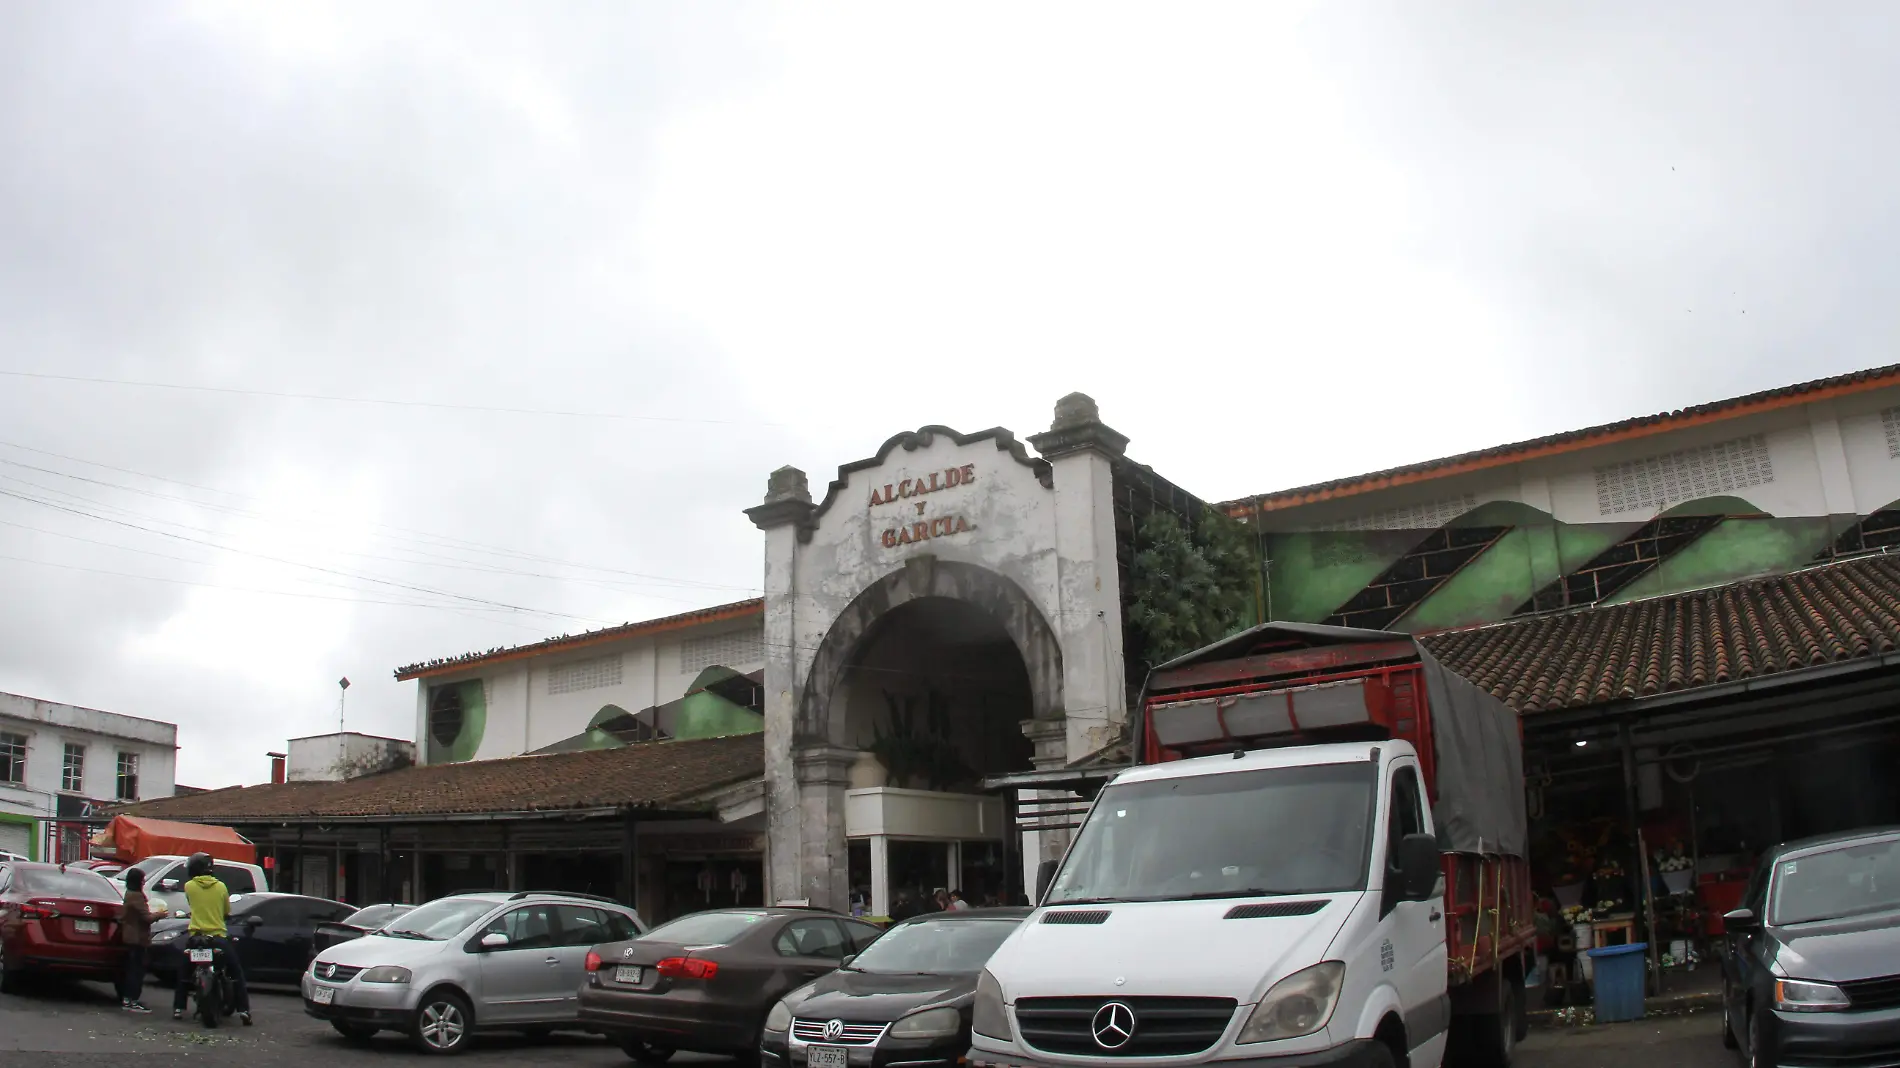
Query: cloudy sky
<point>575,277</point>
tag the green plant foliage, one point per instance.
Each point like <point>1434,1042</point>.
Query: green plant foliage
<point>1189,588</point>
<point>916,748</point>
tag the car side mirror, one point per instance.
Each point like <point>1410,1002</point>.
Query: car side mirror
<point>1417,864</point>
<point>848,958</point>
<point>1741,920</point>
<point>253,920</point>
<point>168,886</point>
<point>494,940</point>
<point>1045,874</point>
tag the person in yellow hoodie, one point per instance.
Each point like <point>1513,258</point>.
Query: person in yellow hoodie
<point>210,904</point>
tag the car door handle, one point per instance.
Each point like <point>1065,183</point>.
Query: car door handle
<point>552,961</point>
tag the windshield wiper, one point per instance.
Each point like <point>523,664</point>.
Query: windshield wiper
<point>1088,901</point>
<point>418,935</point>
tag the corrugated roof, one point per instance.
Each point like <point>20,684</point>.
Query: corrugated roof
<point>1569,441</point>
<point>716,614</point>
<point>1823,615</point>
<point>653,775</point>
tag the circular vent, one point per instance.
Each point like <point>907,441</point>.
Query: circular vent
<point>445,715</point>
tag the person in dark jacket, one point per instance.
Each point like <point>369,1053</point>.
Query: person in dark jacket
<point>135,930</point>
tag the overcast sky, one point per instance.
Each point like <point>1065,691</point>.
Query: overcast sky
<point>1277,242</point>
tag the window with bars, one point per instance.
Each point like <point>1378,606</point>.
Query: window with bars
<point>72,771</point>
<point>12,757</point>
<point>128,777</point>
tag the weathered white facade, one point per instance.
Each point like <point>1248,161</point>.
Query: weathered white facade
<point>58,760</point>
<point>991,540</point>
<point>348,755</point>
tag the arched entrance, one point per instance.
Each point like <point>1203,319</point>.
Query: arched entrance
<point>929,680</point>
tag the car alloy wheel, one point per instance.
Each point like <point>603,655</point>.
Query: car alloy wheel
<point>442,1023</point>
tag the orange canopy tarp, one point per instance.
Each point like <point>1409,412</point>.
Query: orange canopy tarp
<point>133,838</point>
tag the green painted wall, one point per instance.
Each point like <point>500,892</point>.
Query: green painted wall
<point>703,714</point>
<point>474,724</point>
<point>1737,549</point>
<point>1314,573</point>
<point>33,832</point>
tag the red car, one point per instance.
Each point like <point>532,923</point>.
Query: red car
<point>59,921</point>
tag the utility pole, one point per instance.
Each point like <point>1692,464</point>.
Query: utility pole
<point>342,743</point>
<point>343,689</point>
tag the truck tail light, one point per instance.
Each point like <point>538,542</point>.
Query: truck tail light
<point>593,961</point>
<point>687,968</point>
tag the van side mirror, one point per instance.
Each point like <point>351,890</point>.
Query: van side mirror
<point>1045,874</point>
<point>1417,865</point>
<point>1741,920</point>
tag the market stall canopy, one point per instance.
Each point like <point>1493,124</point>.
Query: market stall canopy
<point>133,838</point>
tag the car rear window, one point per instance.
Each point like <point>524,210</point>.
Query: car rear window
<point>705,928</point>
<point>51,882</point>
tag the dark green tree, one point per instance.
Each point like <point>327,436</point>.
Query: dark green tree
<point>1189,588</point>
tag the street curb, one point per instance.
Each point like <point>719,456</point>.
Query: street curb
<point>1662,1006</point>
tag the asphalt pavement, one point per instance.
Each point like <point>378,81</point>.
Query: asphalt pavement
<point>80,1025</point>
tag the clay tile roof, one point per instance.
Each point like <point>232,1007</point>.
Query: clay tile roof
<point>654,775</point>
<point>1572,440</point>
<point>1660,645</point>
<point>718,613</point>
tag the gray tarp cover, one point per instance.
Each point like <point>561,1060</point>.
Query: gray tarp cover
<point>1480,758</point>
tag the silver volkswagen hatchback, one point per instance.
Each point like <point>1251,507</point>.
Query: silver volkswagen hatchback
<point>467,963</point>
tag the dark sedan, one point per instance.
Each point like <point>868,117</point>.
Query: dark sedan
<point>271,932</point>
<point>355,925</point>
<point>1812,969</point>
<point>705,982</point>
<point>905,999</point>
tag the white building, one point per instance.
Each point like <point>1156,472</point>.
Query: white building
<point>62,761</point>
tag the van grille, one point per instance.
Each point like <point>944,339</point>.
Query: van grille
<point>1082,916</point>
<point>1164,1026</point>
<point>1274,910</point>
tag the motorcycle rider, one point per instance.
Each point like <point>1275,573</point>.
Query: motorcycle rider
<point>210,904</point>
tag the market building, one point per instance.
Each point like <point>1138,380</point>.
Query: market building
<point>1694,613</point>
<point>61,764</point>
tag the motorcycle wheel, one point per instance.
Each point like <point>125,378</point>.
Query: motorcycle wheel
<point>207,997</point>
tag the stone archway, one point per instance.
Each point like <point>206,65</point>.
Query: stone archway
<point>925,576</point>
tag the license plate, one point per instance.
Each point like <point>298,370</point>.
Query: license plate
<point>827,1057</point>
<point>629,974</point>
<point>86,926</point>
<point>323,995</point>
<point>199,956</point>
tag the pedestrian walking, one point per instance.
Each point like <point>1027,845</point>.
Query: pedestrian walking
<point>135,931</point>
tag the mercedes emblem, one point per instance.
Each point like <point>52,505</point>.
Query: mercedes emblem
<point>1113,1025</point>
<point>834,1030</point>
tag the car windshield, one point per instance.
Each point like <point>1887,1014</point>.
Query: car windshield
<point>73,882</point>
<point>1299,830</point>
<point>1853,879</point>
<point>936,947</point>
<point>372,917</point>
<point>705,928</point>
<point>150,866</point>
<point>443,918</point>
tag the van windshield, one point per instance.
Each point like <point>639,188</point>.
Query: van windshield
<point>1300,830</point>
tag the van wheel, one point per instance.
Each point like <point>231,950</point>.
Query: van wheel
<point>442,1023</point>
<point>1379,1056</point>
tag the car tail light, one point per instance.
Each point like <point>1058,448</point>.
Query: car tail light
<point>38,912</point>
<point>593,961</point>
<point>687,968</point>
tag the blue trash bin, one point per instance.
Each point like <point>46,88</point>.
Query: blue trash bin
<point>1619,982</point>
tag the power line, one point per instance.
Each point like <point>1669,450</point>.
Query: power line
<point>387,401</point>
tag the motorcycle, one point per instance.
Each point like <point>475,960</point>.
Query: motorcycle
<point>211,986</point>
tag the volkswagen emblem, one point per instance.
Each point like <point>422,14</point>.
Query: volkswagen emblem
<point>1113,1025</point>
<point>327,971</point>
<point>834,1030</point>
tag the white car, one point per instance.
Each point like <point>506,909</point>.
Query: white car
<point>467,963</point>
<point>165,881</point>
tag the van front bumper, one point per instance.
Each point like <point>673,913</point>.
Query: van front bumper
<point>1352,1054</point>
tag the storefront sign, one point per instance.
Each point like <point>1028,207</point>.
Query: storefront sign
<point>924,530</point>
<point>949,478</point>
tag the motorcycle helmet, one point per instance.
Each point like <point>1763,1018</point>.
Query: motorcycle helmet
<point>199,864</point>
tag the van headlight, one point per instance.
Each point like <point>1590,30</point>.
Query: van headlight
<point>779,1020</point>
<point>931,1023</point>
<point>987,1015</point>
<point>1297,1006</point>
<point>387,973</point>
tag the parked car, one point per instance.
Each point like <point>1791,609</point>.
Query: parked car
<point>1811,969</point>
<point>59,922</point>
<point>165,880</point>
<point>12,858</point>
<point>466,963</point>
<point>97,866</point>
<point>355,925</point>
<point>271,933</point>
<point>904,999</point>
<point>705,982</point>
